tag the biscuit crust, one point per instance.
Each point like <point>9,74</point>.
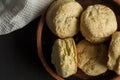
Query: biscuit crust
<point>98,23</point>
<point>114,53</point>
<point>64,57</point>
<point>63,18</point>
<point>92,59</point>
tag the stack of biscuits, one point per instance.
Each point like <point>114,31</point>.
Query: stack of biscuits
<point>97,24</point>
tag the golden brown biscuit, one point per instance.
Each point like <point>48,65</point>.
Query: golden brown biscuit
<point>92,59</point>
<point>64,57</point>
<point>63,18</point>
<point>98,22</point>
<point>114,53</point>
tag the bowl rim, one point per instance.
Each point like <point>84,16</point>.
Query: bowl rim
<point>40,52</point>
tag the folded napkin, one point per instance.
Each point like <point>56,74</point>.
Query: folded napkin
<point>15,14</point>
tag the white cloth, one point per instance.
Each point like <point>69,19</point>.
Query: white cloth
<point>15,14</point>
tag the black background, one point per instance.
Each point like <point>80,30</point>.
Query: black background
<point>18,55</point>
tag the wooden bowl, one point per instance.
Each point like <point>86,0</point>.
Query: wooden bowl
<point>45,40</point>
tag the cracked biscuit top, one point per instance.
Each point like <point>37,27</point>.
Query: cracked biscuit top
<point>63,18</point>
<point>92,59</point>
<point>114,53</point>
<point>98,23</point>
<point>64,57</point>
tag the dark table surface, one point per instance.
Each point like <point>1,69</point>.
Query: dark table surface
<point>18,55</point>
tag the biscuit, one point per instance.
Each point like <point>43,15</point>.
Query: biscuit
<point>114,53</point>
<point>98,23</point>
<point>64,57</point>
<point>92,59</point>
<point>62,18</point>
